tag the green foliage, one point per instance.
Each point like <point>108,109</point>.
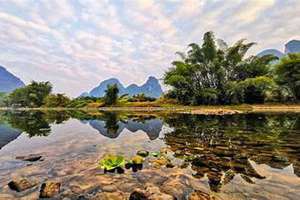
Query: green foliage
<point>140,98</point>
<point>110,162</point>
<point>111,94</point>
<point>81,102</point>
<point>32,95</point>
<point>287,74</point>
<point>3,99</point>
<point>56,100</point>
<point>217,74</point>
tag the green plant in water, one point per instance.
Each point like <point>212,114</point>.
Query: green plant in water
<point>110,162</point>
<point>155,154</point>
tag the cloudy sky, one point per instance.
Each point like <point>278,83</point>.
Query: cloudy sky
<point>75,44</point>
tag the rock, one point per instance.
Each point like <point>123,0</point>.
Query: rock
<point>162,161</point>
<point>151,192</point>
<point>199,195</point>
<point>109,196</point>
<point>109,188</point>
<point>137,160</point>
<point>143,153</point>
<point>49,189</point>
<point>247,179</point>
<point>20,185</point>
<point>30,158</point>
<point>176,188</point>
<point>150,176</point>
<point>138,196</point>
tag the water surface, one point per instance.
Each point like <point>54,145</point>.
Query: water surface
<point>245,156</point>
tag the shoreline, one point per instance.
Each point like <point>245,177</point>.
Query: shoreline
<point>205,110</point>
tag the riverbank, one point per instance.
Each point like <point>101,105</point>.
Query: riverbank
<point>205,110</point>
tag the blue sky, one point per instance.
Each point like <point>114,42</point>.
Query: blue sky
<point>75,44</point>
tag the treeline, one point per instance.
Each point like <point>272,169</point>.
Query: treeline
<point>35,94</point>
<point>39,94</point>
<point>215,73</point>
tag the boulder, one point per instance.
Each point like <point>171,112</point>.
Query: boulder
<point>49,189</point>
<point>143,153</point>
<point>20,185</point>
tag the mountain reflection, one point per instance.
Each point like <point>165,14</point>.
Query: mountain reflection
<point>111,125</point>
<point>7,134</point>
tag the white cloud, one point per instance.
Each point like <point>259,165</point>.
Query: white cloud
<point>77,44</point>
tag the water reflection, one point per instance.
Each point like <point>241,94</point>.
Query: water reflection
<point>225,144</point>
<point>7,134</point>
<point>216,147</point>
<point>112,124</point>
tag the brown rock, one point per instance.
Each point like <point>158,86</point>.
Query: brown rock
<point>109,196</point>
<point>176,188</point>
<point>30,158</point>
<point>151,192</point>
<point>49,189</point>
<point>20,185</point>
<point>199,195</point>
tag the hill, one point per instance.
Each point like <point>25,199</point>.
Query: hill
<point>150,88</point>
<point>8,81</point>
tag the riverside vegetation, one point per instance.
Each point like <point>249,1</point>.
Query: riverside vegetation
<point>209,74</point>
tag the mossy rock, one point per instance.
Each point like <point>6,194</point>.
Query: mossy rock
<point>137,160</point>
<point>143,153</point>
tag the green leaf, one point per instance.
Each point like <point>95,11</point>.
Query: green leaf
<point>110,162</point>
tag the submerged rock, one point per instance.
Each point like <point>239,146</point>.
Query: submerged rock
<point>30,158</point>
<point>143,153</point>
<point>137,160</point>
<point>49,189</point>
<point>199,195</point>
<point>109,196</point>
<point>150,192</point>
<point>20,185</point>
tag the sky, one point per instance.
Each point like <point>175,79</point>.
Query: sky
<point>76,44</point>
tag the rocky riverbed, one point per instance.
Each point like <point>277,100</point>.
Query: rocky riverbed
<point>186,157</point>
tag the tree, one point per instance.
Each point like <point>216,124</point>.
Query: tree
<point>32,95</point>
<point>206,73</point>
<point>56,100</point>
<point>111,94</point>
<point>3,99</point>
<point>287,74</point>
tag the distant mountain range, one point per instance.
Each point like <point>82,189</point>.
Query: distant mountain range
<point>150,88</point>
<point>292,46</point>
<point>8,81</point>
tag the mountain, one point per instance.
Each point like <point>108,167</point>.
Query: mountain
<point>8,81</point>
<point>292,46</point>
<point>150,88</point>
<point>99,91</point>
<point>274,52</point>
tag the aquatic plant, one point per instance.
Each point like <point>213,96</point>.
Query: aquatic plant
<point>110,162</point>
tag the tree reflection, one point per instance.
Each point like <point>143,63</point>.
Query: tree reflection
<point>225,144</point>
<point>34,123</point>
